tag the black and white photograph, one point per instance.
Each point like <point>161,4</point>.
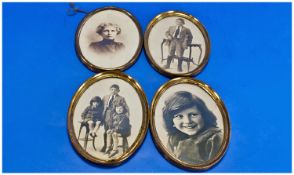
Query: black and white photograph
<point>107,45</point>
<point>108,38</point>
<point>109,118</point>
<point>177,43</point>
<point>190,126</point>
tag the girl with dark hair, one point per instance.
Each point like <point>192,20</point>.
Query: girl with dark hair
<point>93,115</point>
<point>120,126</point>
<point>193,135</point>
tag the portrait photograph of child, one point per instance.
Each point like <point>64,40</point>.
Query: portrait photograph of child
<point>191,127</point>
<point>177,43</point>
<point>193,134</point>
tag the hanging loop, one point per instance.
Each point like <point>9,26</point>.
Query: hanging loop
<point>73,10</point>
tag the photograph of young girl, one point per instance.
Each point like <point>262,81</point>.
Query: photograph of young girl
<point>91,119</point>
<point>189,124</point>
<point>120,126</point>
<point>194,136</point>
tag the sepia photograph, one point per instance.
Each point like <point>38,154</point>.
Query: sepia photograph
<point>107,44</point>
<point>109,118</point>
<point>177,43</point>
<point>188,124</point>
<point>108,38</point>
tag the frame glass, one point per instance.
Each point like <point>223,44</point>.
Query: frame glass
<point>109,38</point>
<point>108,118</point>
<point>177,44</point>
<point>189,123</point>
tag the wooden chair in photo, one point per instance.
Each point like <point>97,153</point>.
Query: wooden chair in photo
<point>189,59</point>
<point>125,143</point>
<point>86,138</point>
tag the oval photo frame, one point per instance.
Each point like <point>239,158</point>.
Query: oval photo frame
<point>177,44</point>
<point>189,123</point>
<point>108,118</point>
<point>108,38</point>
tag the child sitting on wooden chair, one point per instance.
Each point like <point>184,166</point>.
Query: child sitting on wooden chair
<point>120,127</point>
